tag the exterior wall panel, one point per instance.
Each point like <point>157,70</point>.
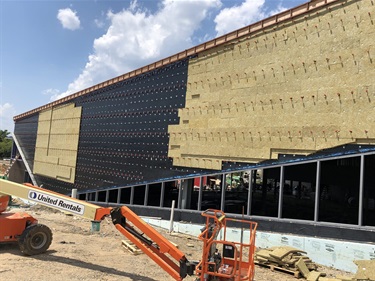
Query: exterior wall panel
<point>297,87</point>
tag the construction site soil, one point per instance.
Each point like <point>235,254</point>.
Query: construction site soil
<point>3,166</point>
<point>77,253</point>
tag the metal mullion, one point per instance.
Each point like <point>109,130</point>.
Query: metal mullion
<point>281,190</point>
<point>361,191</point>
<point>162,194</point>
<point>132,195</point>
<point>200,193</point>
<point>317,191</point>
<point>250,193</point>
<point>145,202</point>
<point>222,201</point>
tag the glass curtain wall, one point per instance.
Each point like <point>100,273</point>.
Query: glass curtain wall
<point>265,197</point>
<point>211,193</point>
<point>102,195</point>
<point>112,195</point>
<point>154,193</point>
<point>236,192</point>
<point>339,190</point>
<point>299,191</point>
<point>139,195</point>
<point>369,191</point>
<point>195,194</point>
<point>125,195</point>
<point>338,195</point>
<point>170,193</point>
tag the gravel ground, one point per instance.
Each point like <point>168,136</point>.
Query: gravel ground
<point>78,254</point>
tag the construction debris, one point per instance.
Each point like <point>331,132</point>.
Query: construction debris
<point>175,244</point>
<point>16,202</point>
<point>366,270</point>
<point>294,261</point>
<point>285,259</point>
<point>131,247</point>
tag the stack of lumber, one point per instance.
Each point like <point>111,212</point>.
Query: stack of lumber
<point>293,261</point>
<point>284,259</point>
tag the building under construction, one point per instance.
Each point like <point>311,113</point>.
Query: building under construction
<point>273,121</point>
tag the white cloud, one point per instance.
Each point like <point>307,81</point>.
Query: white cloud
<point>54,93</point>
<point>7,112</point>
<point>280,8</point>
<point>250,11</point>
<point>133,6</point>
<point>99,23</point>
<point>137,37</point>
<point>69,19</point>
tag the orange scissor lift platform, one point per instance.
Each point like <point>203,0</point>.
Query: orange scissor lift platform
<point>224,259</point>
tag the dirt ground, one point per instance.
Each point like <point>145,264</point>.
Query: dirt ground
<point>3,166</point>
<point>78,254</point>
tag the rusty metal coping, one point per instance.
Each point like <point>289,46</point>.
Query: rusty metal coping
<point>245,31</point>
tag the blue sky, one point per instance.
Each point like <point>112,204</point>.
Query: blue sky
<point>51,48</point>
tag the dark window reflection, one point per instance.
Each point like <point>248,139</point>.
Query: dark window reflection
<point>154,192</point>
<point>125,195</point>
<point>299,191</point>
<point>369,191</point>
<point>102,196</point>
<point>339,190</point>
<point>112,195</point>
<point>236,193</point>
<point>211,193</point>
<point>265,197</point>
<point>194,194</point>
<point>170,193</point>
<point>139,195</point>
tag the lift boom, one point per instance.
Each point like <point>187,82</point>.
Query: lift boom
<point>156,246</point>
<point>34,238</point>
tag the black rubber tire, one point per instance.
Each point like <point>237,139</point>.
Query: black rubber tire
<point>35,239</point>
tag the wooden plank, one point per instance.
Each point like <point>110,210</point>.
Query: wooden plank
<point>303,268</point>
<point>313,276</point>
<point>295,273</point>
<point>174,244</point>
<point>366,269</point>
<point>339,277</point>
<point>333,279</point>
<point>131,247</point>
<point>282,252</point>
<point>261,259</point>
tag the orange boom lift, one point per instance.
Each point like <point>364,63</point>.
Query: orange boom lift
<point>222,259</point>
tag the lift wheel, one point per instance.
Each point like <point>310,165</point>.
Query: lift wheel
<point>35,239</point>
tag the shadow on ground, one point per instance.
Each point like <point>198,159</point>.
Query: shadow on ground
<point>12,248</point>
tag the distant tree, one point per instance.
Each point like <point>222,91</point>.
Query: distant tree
<point>4,134</point>
<point>5,144</point>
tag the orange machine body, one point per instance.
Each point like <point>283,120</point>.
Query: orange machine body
<point>235,259</point>
<point>12,224</point>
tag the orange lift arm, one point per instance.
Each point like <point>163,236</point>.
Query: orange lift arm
<point>158,248</point>
<point>146,238</point>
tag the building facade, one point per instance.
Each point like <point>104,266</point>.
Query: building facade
<point>290,98</point>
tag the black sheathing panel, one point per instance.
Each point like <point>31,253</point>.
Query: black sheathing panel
<point>124,132</point>
<point>124,129</point>
<point>26,131</point>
